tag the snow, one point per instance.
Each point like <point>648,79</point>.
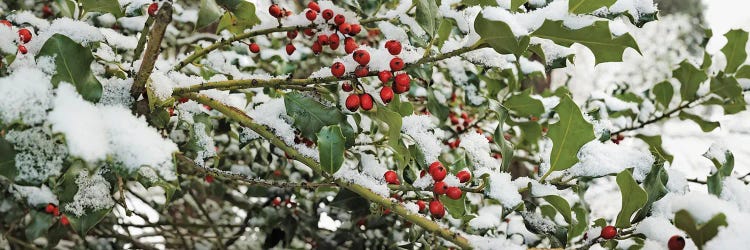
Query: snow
<point>659,229</point>
<point>600,159</point>
<point>502,189</point>
<point>270,114</point>
<point>8,39</point>
<point>489,217</point>
<point>38,155</point>
<point>528,67</point>
<point>551,50</point>
<point>25,95</point>
<point>478,149</point>
<point>117,40</point>
<point>524,23</point>
<point>79,120</point>
<point>116,91</point>
<point>28,17</point>
<point>421,129</point>
<point>203,141</point>
<point>489,243</point>
<point>718,152</point>
<point>93,194</point>
<point>35,196</point>
<point>348,172</point>
<point>78,31</point>
<point>636,8</point>
<point>393,32</point>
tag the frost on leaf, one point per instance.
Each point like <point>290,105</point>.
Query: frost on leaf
<point>93,194</point>
<point>39,155</point>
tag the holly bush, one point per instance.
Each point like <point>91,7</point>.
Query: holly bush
<point>411,124</point>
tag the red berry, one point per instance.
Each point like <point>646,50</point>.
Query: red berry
<point>56,211</point>
<point>338,69</point>
<point>6,23</point>
<point>676,242</point>
<point>365,100</point>
<point>152,9</point>
<point>276,201</point>
<point>334,45</point>
<point>22,49</point>
<point>317,48</point>
<point>274,10</point>
<point>402,82</point>
<point>438,173</point>
<point>356,28</point>
<point>391,177</point>
<point>437,209</point>
<point>434,166</point>
<point>50,208</point>
<point>347,87</point>
<point>397,64</point>
<point>463,176</point>
<point>440,188</point>
<point>361,56</point>
<point>64,220</point>
<point>421,205</point>
<point>386,94</point>
<point>361,71</point>
<point>183,100</point>
<point>385,76</point>
<point>309,32</point>
<point>345,28</point>
<point>333,38</point>
<point>313,6</point>
<point>339,19</point>
<point>352,102</point>
<point>24,35</point>
<point>290,49</point>
<point>399,89</point>
<point>46,10</point>
<point>327,14</point>
<point>209,178</point>
<point>291,34</point>
<point>254,47</point>
<point>609,232</point>
<point>311,15</point>
<point>454,193</point>
<point>393,46</point>
<point>323,39</point>
<point>350,45</point>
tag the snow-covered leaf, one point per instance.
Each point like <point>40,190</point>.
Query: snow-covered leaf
<point>655,185</point>
<point>500,37</point>
<point>706,126</point>
<point>655,146</point>
<point>103,6</point>
<point>597,37</point>
<point>633,198</point>
<point>568,135</point>
<point>586,6</point>
<point>73,64</point>
<point>699,234</point>
<point>561,205</point>
<point>523,105</point>
<point>426,15</point>
<point>310,115</point>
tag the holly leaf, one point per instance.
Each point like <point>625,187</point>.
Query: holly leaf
<point>743,72</point>
<point>506,148</point>
<point>310,115</point>
<point>654,145</point>
<point>633,198</point>
<point>331,148</point>
<point>500,37</point>
<point>663,93</point>
<point>241,16</point>
<point>7,159</point>
<point>103,6</point>
<point>690,79</point>
<point>568,135</point>
<point>587,6</point>
<point>706,126</point>
<point>208,13</point>
<point>561,205</point>
<point>426,15</point>
<point>40,223</point>
<point>456,208</point>
<point>726,86</point>
<point>699,234</point>
<point>581,223</point>
<point>655,184</point>
<point>734,50</point>
<point>73,65</point>
<point>481,2</point>
<point>515,4</point>
<point>524,105</point>
<point>392,121</point>
<point>597,37</point>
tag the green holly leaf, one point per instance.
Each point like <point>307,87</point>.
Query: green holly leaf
<point>7,159</point>
<point>102,6</point>
<point>655,184</point>
<point>524,105</point>
<point>444,31</point>
<point>587,6</point>
<point>392,128</point>
<point>67,191</point>
<point>568,135</point>
<point>561,205</point>
<point>500,37</point>
<point>436,108</point>
<point>506,148</point>
<point>531,132</point>
<point>581,223</point>
<point>456,208</point>
<point>331,148</point>
<point>654,145</point>
<point>690,79</point>
<point>310,115</point>
<point>743,72</point>
<point>40,223</point>
<point>67,7</point>
<point>663,93</point>
<point>731,106</point>
<point>706,126</point>
<point>633,198</point>
<point>209,12</point>
<point>699,234</point>
<point>726,86</point>
<point>73,65</point>
<point>597,37</point>
<point>241,16</point>
<point>515,4</point>
<point>481,2</point>
<point>734,50</point>
<point>426,15</point>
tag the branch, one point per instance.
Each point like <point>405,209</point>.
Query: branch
<point>397,208</point>
<point>289,82</point>
<point>152,50</point>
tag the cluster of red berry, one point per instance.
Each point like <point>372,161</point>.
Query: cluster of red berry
<point>438,172</point>
<point>675,242</point>
<point>24,36</point>
<point>54,210</point>
<point>617,138</point>
<point>401,82</point>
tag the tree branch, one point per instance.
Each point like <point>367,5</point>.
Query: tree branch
<point>287,82</point>
<point>152,50</point>
<point>397,208</point>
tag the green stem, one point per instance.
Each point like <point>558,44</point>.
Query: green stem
<point>397,208</point>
